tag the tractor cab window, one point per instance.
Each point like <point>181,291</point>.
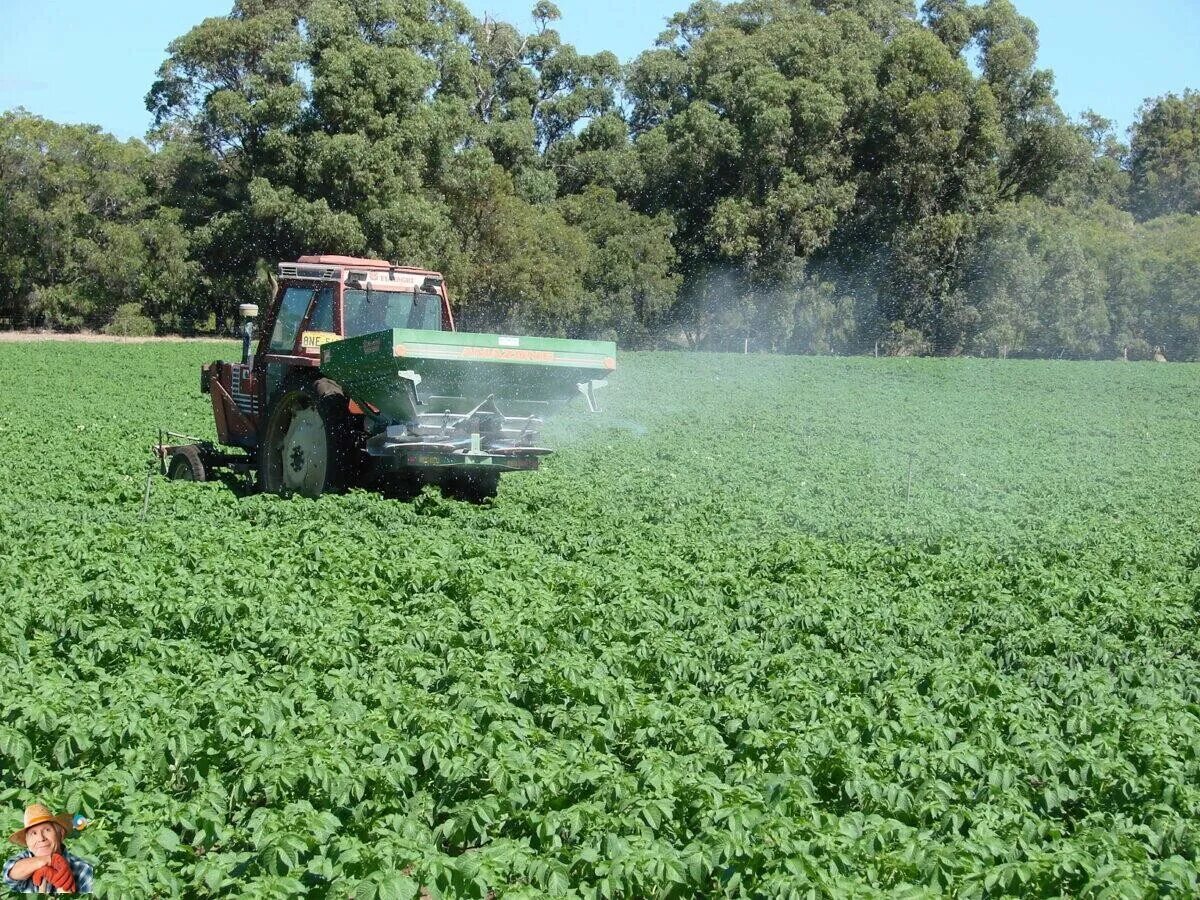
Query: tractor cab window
<point>369,311</point>
<point>291,313</point>
<point>322,315</point>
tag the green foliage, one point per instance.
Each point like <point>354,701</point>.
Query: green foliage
<point>81,231</point>
<point>628,275</point>
<point>1165,156</point>
<point>418,135</point>
<point>1035,288</point>
<point>128,321</point>
<point>805,175</point>
<point>937,635</point>
<point>1102,181</point>
<point>744,125</point>
<point>1047,281</point>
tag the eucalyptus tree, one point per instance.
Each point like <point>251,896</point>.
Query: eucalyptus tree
<point>945,146</point>
<point>747,118</point>
<point>82,230</point>
<point>1165,156</point>
<point>408,130</point>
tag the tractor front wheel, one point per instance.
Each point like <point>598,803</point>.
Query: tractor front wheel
<point>186,464</point>
<point>306,446</point>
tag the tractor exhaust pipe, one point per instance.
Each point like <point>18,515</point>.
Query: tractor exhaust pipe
<point>249,312</point>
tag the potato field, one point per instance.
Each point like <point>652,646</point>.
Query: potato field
<point>764,627</point>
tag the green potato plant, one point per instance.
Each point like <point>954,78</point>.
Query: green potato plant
<point>765,627</point>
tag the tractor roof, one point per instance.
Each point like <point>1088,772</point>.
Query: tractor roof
<point>359,263</point>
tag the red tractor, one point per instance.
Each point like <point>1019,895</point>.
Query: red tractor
<point>359,376</point>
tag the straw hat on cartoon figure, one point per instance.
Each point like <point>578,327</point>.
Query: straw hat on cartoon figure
<point>36,814</point>
<point>45,866</point>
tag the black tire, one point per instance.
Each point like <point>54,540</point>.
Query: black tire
<point>186,464</point>
<point>310,426</point>
<point>474,484</point>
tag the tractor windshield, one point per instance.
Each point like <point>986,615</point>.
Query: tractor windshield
<point>369,311</point>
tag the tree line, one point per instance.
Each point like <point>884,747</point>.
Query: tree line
<point>811,176</point>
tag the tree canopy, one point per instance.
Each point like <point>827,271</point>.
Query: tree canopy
<point>816,176</point>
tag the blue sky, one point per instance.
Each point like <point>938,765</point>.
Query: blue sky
<point>84,61</point>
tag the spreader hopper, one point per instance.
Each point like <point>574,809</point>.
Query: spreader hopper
<point>411,376</point>
<point>447,401</point>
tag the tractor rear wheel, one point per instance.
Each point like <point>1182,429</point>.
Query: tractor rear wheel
<point>186,464</point>
<point>306,446</point>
